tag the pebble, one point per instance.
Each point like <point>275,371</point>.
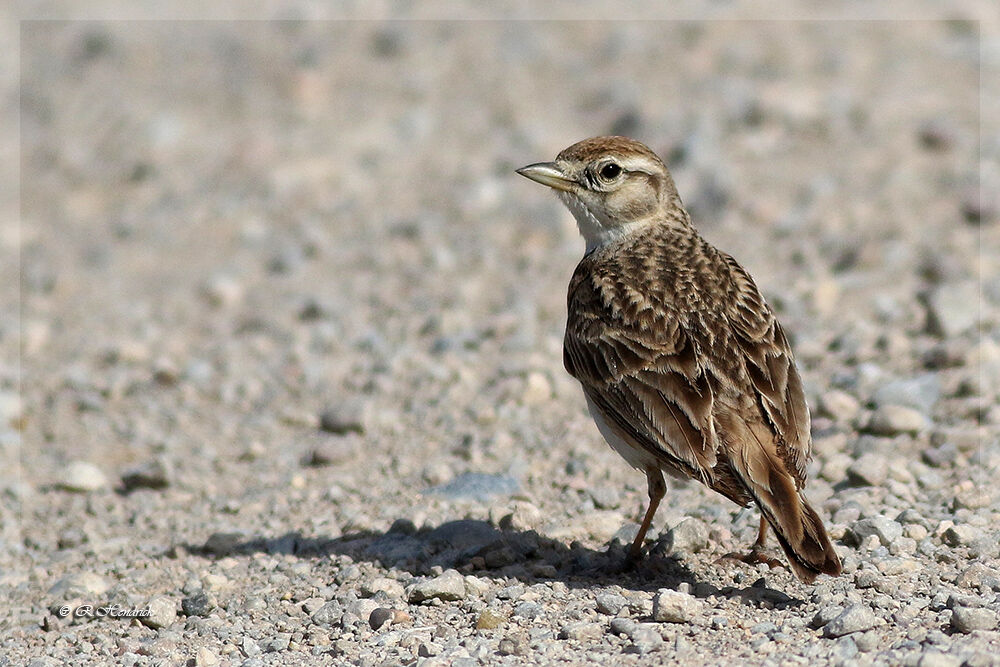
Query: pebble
<point>961,535</point>
<point>855,618</point>
<point>379,617</point>
<point>870,469</point>
<point>690,535</point>
<point>79,585</point>
<point>887,530</point>
<point>329,614</point>
<point>921,392</point>
<point>390,587</point>
<point>582,631</point>
<point>610,603</point>
<point>953,308</point>
<point>149,475</point>
<point>162,613</point>
<point>839,405</point>
<point>490,619</point>
<point>674,607</point>
<point>970,619</point>
<point>82,477</point>
<point>890,420</point>
<point>222,290</point>
<point>513,645</point>
<point>646,638</point>
<point>198,604</point>
<point>939,659</point>
<point>448,586</point>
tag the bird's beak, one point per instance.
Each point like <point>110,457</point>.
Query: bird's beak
<point>547,173</point>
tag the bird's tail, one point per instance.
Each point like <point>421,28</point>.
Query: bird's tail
<point>798,527</point>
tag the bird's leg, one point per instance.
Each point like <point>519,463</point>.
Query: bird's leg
<point>657,489</point>
<point>756,553</point>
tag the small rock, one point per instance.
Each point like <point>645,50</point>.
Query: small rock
<point>953,308</point>
<point>390,587</point>
<point>961,535</point>
<point>939,659</point>
<point>582,631</point>
<point>330,452</point>
<point>610,603</point>
<point>340,422</point>
<point>674,607</point>
<point>162,612</point>
<point>197,605</point>
<point>538,389</point>
<point>839,405</point>
<point>205,658</point>
<point>870,469</point>
<point>329,614</point>
<point>149,475</point>
<point>825,615</point>
<point>970,619</point>
<point>890,420</point>
<point>513,645</point>
<point>855,618</point>
<point>646,638</point>
<point>448,586</point>
<point>524,516</point>
<point>79,585</point>
<point>977,575</point>
<point>82,477</point>
<point>379,617</point>
<point>428,650</point>
<point>528,610</point>
<point>222,290</point>
<point>688,536</point>
<point>489,620</point>
<point>936,135</point>
<point>887,530</point>
<point>920,392</point>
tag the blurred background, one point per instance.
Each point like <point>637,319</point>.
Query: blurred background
<point>287,270</point>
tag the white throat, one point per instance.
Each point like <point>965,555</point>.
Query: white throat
<point>595,231</point>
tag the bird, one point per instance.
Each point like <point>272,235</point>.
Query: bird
<point>683,364</point>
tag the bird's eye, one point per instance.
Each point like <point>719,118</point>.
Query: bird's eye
<point>610,171</point>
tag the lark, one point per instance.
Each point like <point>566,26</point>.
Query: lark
<point>683,364</point>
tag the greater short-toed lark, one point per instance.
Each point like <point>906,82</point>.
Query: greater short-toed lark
<point>682,362</point>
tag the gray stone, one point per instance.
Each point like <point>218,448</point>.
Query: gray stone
<point>528,610</point>
<point>476,486</point>
<point>341,421</point>
<point>198,604</point>
<point>582,631</point>
<point>920,392</point>
<point>513,644</point>
<point>887,530</point>
<point>379,617</point>
<point>79,585</point>
<point>953,308</point>
<point>939,659</point>
<point>970,619</point>
<point>646,638</point>
<point>869,469</point>
<point>448,586</point>
<point>688,536</point>
<point>329,614</point>
<point>890,420</point>
<point>610,603</point>
<point>82,477</point>
<point>162,613</point>
<point>855,618</point>
<point>839,405</point>
<point>961,535</point>
<point>674,607</point>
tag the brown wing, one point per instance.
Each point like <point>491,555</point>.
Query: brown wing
<point>640,367</point>
<point>771,369</point>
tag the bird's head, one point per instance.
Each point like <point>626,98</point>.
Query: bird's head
<point>612,185</point>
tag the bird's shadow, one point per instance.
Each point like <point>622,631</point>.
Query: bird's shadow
<point>477,547</point>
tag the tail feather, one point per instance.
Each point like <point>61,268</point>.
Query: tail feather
<point>796,524</point>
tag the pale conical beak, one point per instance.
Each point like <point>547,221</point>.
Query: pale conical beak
<point>547,173</point>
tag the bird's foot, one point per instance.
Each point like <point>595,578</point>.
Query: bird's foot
<point>755,556</point>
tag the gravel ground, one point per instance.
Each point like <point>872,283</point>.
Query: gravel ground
<point>290,336</point>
